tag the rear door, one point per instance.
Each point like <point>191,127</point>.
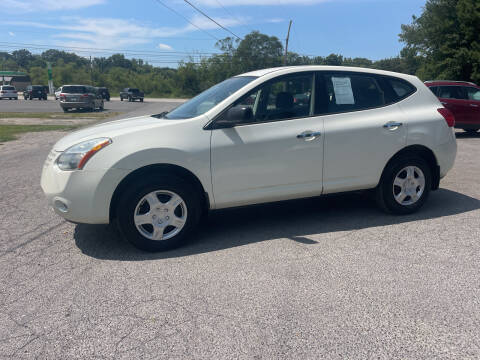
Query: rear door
<point>363,128</point>
<point>454,98</point>
<point>473,117</point>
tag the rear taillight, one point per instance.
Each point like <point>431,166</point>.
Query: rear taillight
<point>448,116</point>
<point>84,95</point>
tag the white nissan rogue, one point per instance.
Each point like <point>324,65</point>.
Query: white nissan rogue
<point>264,136</point>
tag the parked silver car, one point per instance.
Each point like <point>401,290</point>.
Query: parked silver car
<point>8,92</point>
<point>80,97</point>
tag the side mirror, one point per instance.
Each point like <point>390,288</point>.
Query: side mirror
<point>234,116</point>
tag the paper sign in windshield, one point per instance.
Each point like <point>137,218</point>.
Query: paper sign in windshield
<point>343,91</point>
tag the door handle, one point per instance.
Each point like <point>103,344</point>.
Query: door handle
<point>309,134</point>
<point>392,125</point>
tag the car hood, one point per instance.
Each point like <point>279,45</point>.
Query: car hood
<point>112,129</point>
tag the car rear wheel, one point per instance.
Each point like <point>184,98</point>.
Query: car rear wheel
<point>405,185</point>
<point>158,213</point>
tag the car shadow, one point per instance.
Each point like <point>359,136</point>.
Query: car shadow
<point>291,219</point>
<point>465,135</point>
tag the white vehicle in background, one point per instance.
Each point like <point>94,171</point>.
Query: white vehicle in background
<point>264,136</point>
<point>8,92</point>
<point>58,92</point>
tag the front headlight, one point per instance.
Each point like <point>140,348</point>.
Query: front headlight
<point>76,157</point>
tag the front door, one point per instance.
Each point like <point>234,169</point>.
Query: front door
<point>277,155</point>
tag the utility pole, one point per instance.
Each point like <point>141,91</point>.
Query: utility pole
<point>286,44</point>
<point>91,70</point>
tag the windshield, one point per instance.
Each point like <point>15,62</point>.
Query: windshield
<point>206,100</point>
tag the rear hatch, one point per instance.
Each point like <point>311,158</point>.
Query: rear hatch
<point>74,94</point>
<point>8,90</point>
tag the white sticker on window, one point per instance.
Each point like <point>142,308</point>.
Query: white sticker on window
<point>343,91</point>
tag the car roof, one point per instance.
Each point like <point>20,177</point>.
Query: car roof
<point>290,69</point>
<point>448,82</point>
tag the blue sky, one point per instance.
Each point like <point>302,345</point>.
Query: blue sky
<point>353,28</point>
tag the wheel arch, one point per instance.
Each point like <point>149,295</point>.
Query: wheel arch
<point>176,170</point>
<point>425,153</point>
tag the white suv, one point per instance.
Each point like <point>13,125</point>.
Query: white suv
<point>264,136</point>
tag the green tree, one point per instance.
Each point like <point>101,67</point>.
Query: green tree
<point>446,36</point>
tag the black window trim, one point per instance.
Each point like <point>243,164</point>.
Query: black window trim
<point>316,73</point>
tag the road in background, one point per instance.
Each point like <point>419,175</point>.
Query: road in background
<point>136,108</point>
<point>330,278</point>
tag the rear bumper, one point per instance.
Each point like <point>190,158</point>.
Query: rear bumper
<point>76,105</point>
<point>9,96</point>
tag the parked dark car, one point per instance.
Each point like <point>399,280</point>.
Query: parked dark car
<point>104,92</point>
<point>35,92</point>
<point>462,99</point>
<point>80,97</point>
<point>131,94</point>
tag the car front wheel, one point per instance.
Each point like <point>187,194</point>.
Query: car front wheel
<point>158,213</point>
<point>405,185</point>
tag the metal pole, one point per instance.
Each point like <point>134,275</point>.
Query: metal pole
<point>286,43</point>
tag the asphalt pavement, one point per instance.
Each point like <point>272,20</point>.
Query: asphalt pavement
<point>330,278</point>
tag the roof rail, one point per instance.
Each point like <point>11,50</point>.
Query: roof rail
<point>453,81</point>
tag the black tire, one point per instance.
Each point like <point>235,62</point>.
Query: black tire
<point>385,191</point>
<point>65,110</point>
<point>132,196</point>
<point>102,106</point>
<point>130,99</point>
<point>31,98</point>
<point>141,100</point>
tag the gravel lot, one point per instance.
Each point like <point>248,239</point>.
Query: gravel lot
<point>329,278</point>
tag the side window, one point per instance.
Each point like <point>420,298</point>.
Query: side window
<point>434,89</point>
<point>473,93</point>
<point>349,92</point>
<point>284,98</point>
<point>451,92</point>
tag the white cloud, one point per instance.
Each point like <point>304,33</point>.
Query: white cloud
<point>119,33</point>
<point>225,3</point>
<point>164,47</point>
<point>11,33</point>
<point>23,6</point>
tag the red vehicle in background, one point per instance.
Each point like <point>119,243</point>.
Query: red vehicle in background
<point>462,99</point>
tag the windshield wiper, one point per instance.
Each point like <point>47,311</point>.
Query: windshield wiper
<point>161,115</point>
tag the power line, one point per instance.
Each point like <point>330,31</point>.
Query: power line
<point>88,49</point>
<point>208,17</point>
<point>191,23</point>
<point>230,13</point>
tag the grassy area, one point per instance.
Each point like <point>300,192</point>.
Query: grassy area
<point>10,132</point>
<point>58,115</point>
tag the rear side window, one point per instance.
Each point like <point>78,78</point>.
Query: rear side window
<point>452,92</point>
<point>348,92</point>
<point>74,89</point>
<point>473,93</point>
<point>401,88</point>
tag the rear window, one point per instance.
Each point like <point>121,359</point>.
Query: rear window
<point>74,89</point>
<point>134,90</point>
<point>8,88</point>
<point>37,87</point>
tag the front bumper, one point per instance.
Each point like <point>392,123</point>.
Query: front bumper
<point>80,196</point>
